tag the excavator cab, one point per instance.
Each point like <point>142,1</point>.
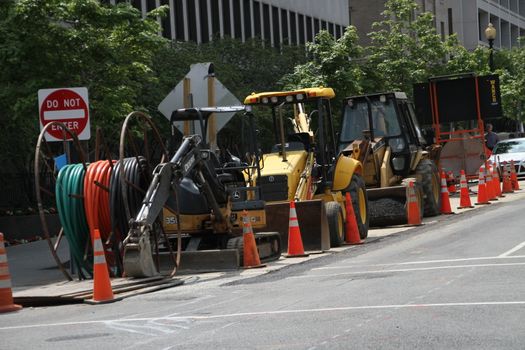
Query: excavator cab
<point>384,119</point>
<point>381,131</point>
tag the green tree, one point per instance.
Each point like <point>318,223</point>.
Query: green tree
<point>334,63</point>
<point>57,43</point>
<point>512,79</point>
<point>405,48</point>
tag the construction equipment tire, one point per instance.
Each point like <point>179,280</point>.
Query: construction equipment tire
<point>237,243</point>
<point>428,174</point>
<point>334,216</point>
<point>360,203</point>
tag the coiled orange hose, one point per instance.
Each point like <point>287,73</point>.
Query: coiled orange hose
<point>96,197</point>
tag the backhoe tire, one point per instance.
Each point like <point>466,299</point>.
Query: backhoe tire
<point>237,243</point>
<point>428,174</point>
<point>334,216</point>
<point>360,203</point>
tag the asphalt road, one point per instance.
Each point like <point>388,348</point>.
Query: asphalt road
<point>458,284</point>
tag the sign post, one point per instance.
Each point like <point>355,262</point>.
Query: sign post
<point>69,106</point>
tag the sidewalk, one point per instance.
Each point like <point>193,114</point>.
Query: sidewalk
<point>32,264</point>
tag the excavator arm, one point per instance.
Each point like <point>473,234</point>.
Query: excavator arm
<point>189,161</point>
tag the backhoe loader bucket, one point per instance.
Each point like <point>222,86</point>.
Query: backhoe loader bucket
<point>312,222</point>
<point>387,206</point>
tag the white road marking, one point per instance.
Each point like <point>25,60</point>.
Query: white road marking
<point>516,248</point>
<point>270,313</point>
<point>405,270</point>
<point>340,267</point>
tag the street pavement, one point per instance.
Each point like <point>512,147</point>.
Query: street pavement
<point>454,283</point>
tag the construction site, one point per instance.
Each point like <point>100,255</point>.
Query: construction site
<point>171,213</point>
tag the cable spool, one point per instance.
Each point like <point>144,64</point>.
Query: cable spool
<point>96,201</point>
<point>68,190</point>
<point>135,173</point>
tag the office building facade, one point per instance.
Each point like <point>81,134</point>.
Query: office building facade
<point>467,18</point>
<point>275,21</point>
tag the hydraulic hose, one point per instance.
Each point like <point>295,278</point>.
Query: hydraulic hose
<point>69,189</point>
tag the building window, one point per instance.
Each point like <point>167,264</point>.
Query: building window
<point>442,25</point>
<point>203,9</point>
<point>309,34</point>
<point>316,26</point>
<point>266,22</point>
<point>301,29</point>
<point>247,19</point>
<point>275,26</point>
<point>284,25</point>
<point>293,27</point>
<point>331,29</point>
<point>337,32</point>
<point>450,22</point>
<point>216,21</point>
<point>323,25</point>
<point>257,18</point>
<point>237,25</point>
<point>192,20</point>
<point>166,22</point>
<point>226,17</point>
<point>137,4</point>
<point>151,5</point>
<point>179,21</point>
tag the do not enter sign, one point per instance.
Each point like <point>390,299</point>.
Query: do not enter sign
<point>69,106</point>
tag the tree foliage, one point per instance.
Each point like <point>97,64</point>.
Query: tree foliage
<point>512,75</point>
<point>333,64</point>
<point>53,43</point>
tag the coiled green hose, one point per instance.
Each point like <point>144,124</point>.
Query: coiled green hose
<point>70,204</point>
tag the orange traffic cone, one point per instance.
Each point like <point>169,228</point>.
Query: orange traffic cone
<point>482,188</point>
<point>507,183</point>
<point>464,199</point>
<point>489,187</point>
<point>295,242</point>
<point>6,294</point>
<point>451,183</point>
<point>445,199</point>
<point>102,291</point>
<point>514,177</point>
<point>250,253</point>
<point>497,182</point>
<point>413,210</point>
<point>351,230</point>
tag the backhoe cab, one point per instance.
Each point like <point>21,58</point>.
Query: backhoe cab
<point>305,166</point>
<point>382,132</point>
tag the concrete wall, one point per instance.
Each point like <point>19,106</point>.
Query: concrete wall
<point>330,10</point>
<point>471,17</point>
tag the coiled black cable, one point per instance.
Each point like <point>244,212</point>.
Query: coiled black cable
<point>136,173</point>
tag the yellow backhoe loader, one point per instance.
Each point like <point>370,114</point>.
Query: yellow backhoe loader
<point>382,132</point>
<point>304,166</point>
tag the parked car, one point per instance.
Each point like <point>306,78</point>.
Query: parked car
<point>511,149</point>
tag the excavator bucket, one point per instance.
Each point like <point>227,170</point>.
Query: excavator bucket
<point>138,260</point>
<point>387,206</point>
<point>311,215</point>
